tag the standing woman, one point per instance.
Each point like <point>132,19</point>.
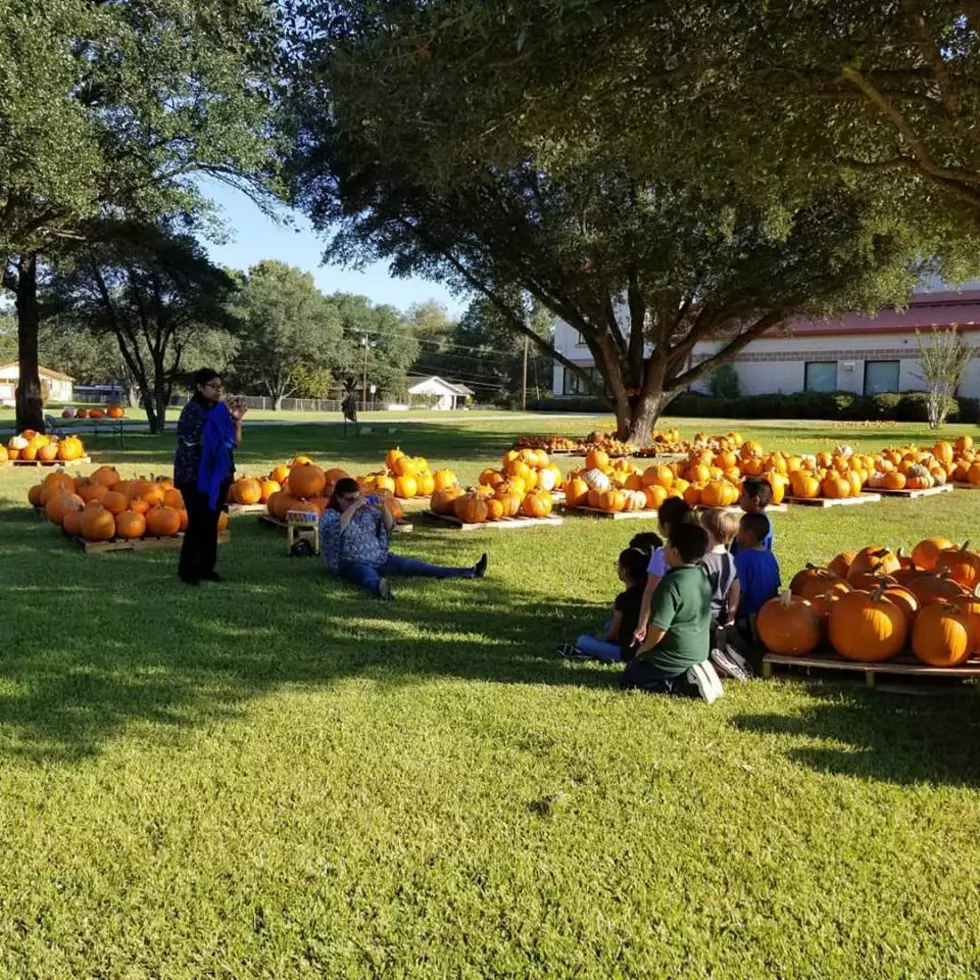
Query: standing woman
<point>207,433</point>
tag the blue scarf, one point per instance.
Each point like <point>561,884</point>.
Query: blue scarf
<point>217,445</point>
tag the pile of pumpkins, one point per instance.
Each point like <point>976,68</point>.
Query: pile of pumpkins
<point>31,445</point>
<point>521,486</point>
<point>872,604</point>
<point>303,485</point>
<point>112,411</point>
<point>407,476</point>
<point>105,507</point>
<point>914,467</point>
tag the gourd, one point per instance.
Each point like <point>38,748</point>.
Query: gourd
<point>788,625</point>
<point>867,627</point>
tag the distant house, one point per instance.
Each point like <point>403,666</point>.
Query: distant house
<point>57,387</point>
<point>435,393</point>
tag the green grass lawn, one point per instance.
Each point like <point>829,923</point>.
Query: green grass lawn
<point>279,777</point>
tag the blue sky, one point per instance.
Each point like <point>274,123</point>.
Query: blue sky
<point>253,237</point>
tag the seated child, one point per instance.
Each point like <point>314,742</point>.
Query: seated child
<point>756,496</point>
<point>647,541</point>
<point>758,572</point>
<point>616,643</point>
<point>674,656</point>
<point>673,510</point>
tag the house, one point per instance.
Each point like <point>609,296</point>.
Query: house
<point>57,387</point>
<point>435,393</point>
<point>860,354</point>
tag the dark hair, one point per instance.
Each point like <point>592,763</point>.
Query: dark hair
<point>673,511</point>
<point>646,541</point>
<point>756,524</point>
<point>756,486</point>
<point>344,486</point>
<point>204,376</point>
<point>690,540</point>
<point>720,523</point>
<point>634,563</point>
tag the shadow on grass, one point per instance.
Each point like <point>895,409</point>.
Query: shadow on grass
<point>883,736</point>
<point>102,646</point>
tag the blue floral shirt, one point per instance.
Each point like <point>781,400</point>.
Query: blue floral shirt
<point>364,540</point>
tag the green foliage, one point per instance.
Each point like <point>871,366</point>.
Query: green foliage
<point>724,382</point>
<point>289,331</point>
<point>156,293</point>
<point>279,777</point>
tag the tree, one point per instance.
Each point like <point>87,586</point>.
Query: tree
<point>155,291</point>
<point>433,328</point>
<point>290,331</point>
<point>944,356</point>
<point>115,107</point>
<point>378,344</point>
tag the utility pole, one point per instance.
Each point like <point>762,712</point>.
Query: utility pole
<point>524,378</point>
<point>366,346</point>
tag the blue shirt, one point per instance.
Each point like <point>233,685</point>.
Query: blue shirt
<point>364,540</point>
<point>190,435</point>
<point>766,541</point>
<point>758,581</point>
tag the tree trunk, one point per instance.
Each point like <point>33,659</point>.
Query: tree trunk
<point>29,397</point>
<point>277,403</point>
<point>148,398</point>
<point>635,423</point>
<point>161,398</point>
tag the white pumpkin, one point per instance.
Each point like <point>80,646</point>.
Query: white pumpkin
<point>549,478</point>
<point>877,479</point>
<point>635,500</point>
<point>18,442</point>
<point>596,479</point>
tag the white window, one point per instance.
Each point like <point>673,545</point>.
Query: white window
<point>820,376</point>
<point>881,377</point>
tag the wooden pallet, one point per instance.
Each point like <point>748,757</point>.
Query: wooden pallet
<point>966,486</point>
<point>864,498</point>
<point>402,527</point>
<point>81,461</point>
<point>621,515</point>
<point>139,544</point>
<point>234,509</point>
<point>504,523</point>
<point>915,494</point>
<point>905,664</point>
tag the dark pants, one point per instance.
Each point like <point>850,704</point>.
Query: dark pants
<point>368,576</point>
<point>199,552</point>
<point>640,675</point>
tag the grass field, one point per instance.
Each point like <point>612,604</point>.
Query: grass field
<point>279,777</point>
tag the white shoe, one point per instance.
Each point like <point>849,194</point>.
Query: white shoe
<point>706,679</point>
<point>727,666</point>
<point>738,660</point>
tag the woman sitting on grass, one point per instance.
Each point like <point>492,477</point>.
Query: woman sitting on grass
<point>354,533</point>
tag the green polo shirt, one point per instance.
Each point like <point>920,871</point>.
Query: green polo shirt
<point>681,606</point>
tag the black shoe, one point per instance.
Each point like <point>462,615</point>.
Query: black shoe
<point>480,568</point>
<point>571,652</point>
<point>187,580</point>
<point>212,577</point>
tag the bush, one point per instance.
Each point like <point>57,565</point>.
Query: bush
<point>570,403</point>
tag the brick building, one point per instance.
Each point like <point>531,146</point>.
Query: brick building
<point>865,355</point>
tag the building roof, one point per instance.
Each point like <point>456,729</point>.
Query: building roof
<point>925,310</point>
<point>11,371</point>
<point>416,381</point>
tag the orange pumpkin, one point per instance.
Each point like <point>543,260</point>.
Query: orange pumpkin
<point>281,503</point>
<point>943,635</point>
<point>280,474</point>
<point>876,559</point>
<point>538,503</point>
<point>173,498</point>
<point>34,495</point>
<point>392,456</point>
<point>841,565</point>
<point>813,581</point>
<point>96,413</point>
<point>245,491</point>
<point>970,604</point>
<point>655,495</point>
<point>925,553</point>
<point>442,500</point>
<point>108,476</point>
<point>48,453</point>
<point>443,479</point>
<point>929,588</point>
<point>307,480</point>
<point>576,492</point>
<point>596,459</point>
<point>495,509</point>
<point>471,508</point>
<point>719,494</point>
<point>57,506</point>
<point>406,487</point>
<point>97,524</point>
<point>114,502</point>
<point>130,525</point>
<point>163,522</point>
<point>789,625</point>
<point>867,627</point>
<point>962,564</point>
<point>612,501</point>
<point>71,523</point>
<point>404,466</point>
<point>115,412</point>
<point>510,498</point>
<point>425,484</point>
<point>905,600</point>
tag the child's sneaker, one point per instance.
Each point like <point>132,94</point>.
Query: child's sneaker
<point>727,666</point>
<point>572,652</point>
<point>704,677</point>
<point>736,658</point>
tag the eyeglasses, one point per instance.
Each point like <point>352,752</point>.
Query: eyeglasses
<point>213,386</point>
<point>350,497</point>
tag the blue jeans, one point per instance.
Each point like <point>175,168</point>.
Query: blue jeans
<point>368,576</point>
<point>600,649</point>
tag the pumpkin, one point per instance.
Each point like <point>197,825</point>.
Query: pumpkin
<point>538,503</point>
<point>510,498</point>
<point>115,412</point>
<point>635,500</point>
<point>97,524</point>
<point>17,443</point>
<point>246,491</point>
<point>114,502</point>
<point>495,509</point>
<point>163,522</point>
<point>925,553</point>
<point>175,499</point>
<point>596,459</point>
<point>577,492</point>
<point>266,489</point>
<point>970,604</point>
<point>596,479</point>
<point>655,495</point>
<point>425,484</point>
<point>867,627</point>
<point>92,491</point>
<point>48,453</point>
<point>905,599</point>
<point>150,493</point>
<point>490,478</point>
<point>108,476</point>
<point>71,523</point>
<point>222,522</point>
<point>34,495</point>
<point>943,635</point>
<point>612,501</point>
<point>70,449</point>
<point>58,505</point>
<point>876,559</point>
<point>658,476</point>
<point>443,479</point>
<point>835,487</point>
<point>130,525</point>
<point>406,487</point>
<point>788,625</point>
<point>280,474</point>
<point>842,563</point>
<point>442,500</point>
<point>804,485</point>
<point>82,413</point>
<point>281,503</point>
<point>962,564</point>
<point>58,483</point>
<point>929,588</point>
<point>719,494</point>
<point>471,508</point>
<point>307,480</point>
<point>813,581</point>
